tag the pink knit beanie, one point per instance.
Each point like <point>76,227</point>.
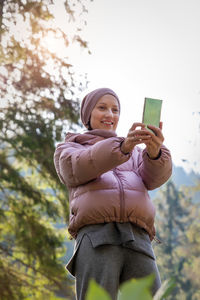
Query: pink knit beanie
<point>90,100</point>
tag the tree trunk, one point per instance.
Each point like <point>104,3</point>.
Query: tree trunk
<point>1,16</point>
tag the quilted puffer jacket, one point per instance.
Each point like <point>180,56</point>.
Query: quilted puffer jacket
<point>106,185</point>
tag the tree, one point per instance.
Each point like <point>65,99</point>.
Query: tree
<point>191,248</point>
<point>38,104</point>
<point>175,223</point>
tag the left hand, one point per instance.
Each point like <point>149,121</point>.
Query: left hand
<point>154,144</point>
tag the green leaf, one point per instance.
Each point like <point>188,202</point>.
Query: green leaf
<point>165,289</point>
<point>137,289</point>
<point>96,292</point>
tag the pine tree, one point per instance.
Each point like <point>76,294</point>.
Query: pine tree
<point>190,250</point>
<point>173,220</point>
<point>38,104</point>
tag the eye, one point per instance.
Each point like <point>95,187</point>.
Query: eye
<point>115,110</point>
<point>102,107</point>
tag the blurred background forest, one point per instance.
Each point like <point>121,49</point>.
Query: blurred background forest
<point>38,103</point>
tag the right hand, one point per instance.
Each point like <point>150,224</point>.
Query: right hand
<point>135,137</point>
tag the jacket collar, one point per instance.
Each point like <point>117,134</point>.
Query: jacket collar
<point>89,137</point>
<point>101,132</point>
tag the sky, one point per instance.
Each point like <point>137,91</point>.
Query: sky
<point>144,48</point>
<point>149,48</point>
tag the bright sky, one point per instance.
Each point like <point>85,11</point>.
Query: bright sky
<point>150,48</point>
<point>147,48</point>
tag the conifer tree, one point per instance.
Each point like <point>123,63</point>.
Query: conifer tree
<point>38,103</point>
<point>174,223</point>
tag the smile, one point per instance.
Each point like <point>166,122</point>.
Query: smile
<point>107,122</point>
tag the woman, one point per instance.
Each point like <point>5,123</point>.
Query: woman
<point>111,214</point>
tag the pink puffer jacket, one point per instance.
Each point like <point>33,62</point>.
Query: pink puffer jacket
<point>106,185</point>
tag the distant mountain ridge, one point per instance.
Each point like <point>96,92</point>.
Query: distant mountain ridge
<point>181,177</point>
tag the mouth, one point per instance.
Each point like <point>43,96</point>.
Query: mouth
<point>108,123</point>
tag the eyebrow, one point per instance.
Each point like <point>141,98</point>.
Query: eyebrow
<point>106,104</point>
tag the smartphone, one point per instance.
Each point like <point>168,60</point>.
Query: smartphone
<point>152,111</point>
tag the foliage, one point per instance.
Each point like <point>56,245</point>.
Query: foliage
<point>166,288</point>
<point>138,289</point>
<point>96,292</point>
<point>177,225</point>
<point>130,290</point>
<point>38,104</point>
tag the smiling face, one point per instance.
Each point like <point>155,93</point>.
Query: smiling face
<point>105,114</point>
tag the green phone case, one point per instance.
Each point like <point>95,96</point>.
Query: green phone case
<point>152,111</point>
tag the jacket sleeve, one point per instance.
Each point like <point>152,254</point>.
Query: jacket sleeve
<point>75,165</point>
<point>155,172</point>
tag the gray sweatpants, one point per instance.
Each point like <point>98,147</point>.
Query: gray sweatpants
<point>109,266</point>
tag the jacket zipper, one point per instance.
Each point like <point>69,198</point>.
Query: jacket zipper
<point>121,197</point>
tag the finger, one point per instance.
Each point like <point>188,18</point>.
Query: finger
<point>142,137</point>
<point>137,124</point>
<point>139,139</point>
<point>139,132</point>
<point>161,125</point>
<point>156,130</point>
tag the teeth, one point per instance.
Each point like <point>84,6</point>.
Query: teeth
<point>109,123</point>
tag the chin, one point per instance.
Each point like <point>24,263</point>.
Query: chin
<point>108,128</point>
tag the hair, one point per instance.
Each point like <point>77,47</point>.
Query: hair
<point>89,127</point>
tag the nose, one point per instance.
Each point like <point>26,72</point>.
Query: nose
<point>109,112</point>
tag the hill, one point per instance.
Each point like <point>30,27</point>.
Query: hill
<point>181,178</point>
